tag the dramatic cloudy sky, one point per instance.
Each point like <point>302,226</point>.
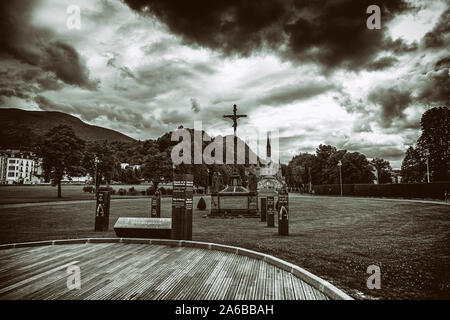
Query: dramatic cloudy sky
<point>309,69</point>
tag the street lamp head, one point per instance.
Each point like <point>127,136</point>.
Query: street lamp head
<point>340,163</point>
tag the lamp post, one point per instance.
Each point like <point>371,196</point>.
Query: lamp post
<point>340,175</point>
<point>427,154</point>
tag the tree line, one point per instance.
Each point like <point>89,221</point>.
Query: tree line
<point>63,153</point>
<point>433,147</point>
<point>328,165</point>
<point>429,159</point>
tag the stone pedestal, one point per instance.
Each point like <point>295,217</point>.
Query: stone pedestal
<point>155,228</point>
<point>234,200</point>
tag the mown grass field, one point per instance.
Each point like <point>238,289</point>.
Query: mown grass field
<point>334,238</point>
<point>47,193</point>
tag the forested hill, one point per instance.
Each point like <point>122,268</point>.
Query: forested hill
<point>21,128</point>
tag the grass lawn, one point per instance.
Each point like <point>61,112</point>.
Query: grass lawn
<point>334,238</point>
<point>46,193</point>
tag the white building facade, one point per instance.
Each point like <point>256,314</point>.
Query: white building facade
<point>19,167</point>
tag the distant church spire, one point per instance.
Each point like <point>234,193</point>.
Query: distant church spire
<point>268,148</point>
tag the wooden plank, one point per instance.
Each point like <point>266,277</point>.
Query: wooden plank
<point>165,268</point>
<point>237,277</point>
<point>211,284</point>
<point>288,290</point>
<point>68,255</point>
<point>125,272</point>
<point>43,286</point>
<point>196,279</point>
<point>183,280</point>
<point>142,271</point>
<point>227,273</point>
<point>242,285</point>
<point>95,275</point>
<point>40,275</point>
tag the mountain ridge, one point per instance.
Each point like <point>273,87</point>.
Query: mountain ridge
<point>19,127</point>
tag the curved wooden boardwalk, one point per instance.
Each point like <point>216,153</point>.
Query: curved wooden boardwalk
<point>166,269</point>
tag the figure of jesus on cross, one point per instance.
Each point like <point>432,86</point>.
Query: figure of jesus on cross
<point>234,117</point>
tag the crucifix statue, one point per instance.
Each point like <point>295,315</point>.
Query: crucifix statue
<point>235,117</point>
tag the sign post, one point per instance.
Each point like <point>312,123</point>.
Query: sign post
<point>178,206</point>
<point>182,205</point>
<point>270,212</point>
<point>283,214</point>
<point>188,196</point>
<point>263,209</point>
<point>156,205</point>
<point>102,210</point>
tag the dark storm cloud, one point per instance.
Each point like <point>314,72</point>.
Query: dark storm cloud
<point>111,112</point>
<point>392,101</point>
<point>21,81</point>
<point>442,63</point>
<point>292,93</point>
<point>229,25</point>
<point>439,36</point>
<point>381,64</point>
<point>165,76</point>
<point>426,88</point>
<point>39,47</point>
<point>332,33</point>
<point>338,29</point>
<point>399,47</point>
<point>435,87</point>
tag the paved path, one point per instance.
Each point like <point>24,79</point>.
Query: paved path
<point>293,195</point>
<point>69,202</point>
<point>160,270</point>
<point>297,195</point>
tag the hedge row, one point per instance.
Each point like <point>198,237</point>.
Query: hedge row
<point>401,190</point>
<point>133,192</point>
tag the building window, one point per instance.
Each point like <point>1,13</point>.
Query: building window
<point>10,174</point>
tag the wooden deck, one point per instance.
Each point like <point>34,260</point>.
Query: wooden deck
<point>145,271</point>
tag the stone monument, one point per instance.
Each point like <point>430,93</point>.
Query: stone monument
<point>234,199</point>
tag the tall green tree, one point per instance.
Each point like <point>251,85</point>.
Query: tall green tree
<point>107,162</point>
<point>61,151</point>
<point>356,168</point>
<point>157,167</point>
<point>413,168</point>
<point>383,170</point>
<point>302,170</point>
<point>434,142</point>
